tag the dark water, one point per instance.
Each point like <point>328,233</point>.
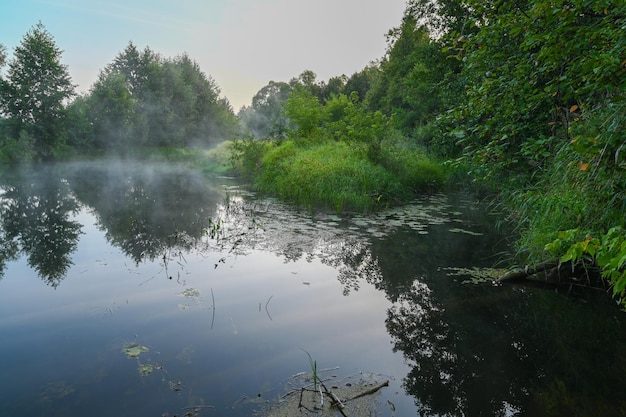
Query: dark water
<point>220,293</point>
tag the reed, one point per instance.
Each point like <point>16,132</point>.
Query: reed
<point>313,365</point>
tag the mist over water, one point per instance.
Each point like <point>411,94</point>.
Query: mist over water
<point>141,289</point>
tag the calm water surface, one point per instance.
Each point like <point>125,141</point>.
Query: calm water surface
<point>141,289</point>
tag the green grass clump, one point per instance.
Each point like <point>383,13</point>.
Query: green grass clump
<point>413,168</point>
<point>332,175</point>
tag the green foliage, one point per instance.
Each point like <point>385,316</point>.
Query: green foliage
<point>345,120</point>
<point>360,83</point>
<point>413,168</point>
<point>34,94</point>
<point>305,111</point>
<point>529,71</point>
<point>246,155</point>
<point>332,175</point>
<point>405,88</point>
<point>18,151</point>
<point>80,130</point>
<point>265,118</point>
<point>142,99</point>
<point>607,250</point>
<point>111,111</point>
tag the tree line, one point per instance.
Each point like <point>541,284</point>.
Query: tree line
<point>140,99</point>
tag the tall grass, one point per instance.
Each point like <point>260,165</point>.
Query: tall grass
<point>413,168</point>
<point>331,175</point>
<point>567,197</point>
<point>337,175</point>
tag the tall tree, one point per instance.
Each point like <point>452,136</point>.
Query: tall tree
<point>142,99</point>
<point>265,117</point>
<point>36,91</point>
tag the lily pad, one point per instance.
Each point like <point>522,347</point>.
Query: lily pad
<point>145,369</point>
<point>190,293</point>
<point>134,350</point>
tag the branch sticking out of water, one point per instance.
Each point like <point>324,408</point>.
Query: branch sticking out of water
<point>213,319</point>
<point>266,310</point>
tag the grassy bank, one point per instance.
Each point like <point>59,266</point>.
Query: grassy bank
<point>337,175</point>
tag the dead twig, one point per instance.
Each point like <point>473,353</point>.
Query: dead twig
<point>371,391</point>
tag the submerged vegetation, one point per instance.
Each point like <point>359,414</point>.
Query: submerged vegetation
<point>526,99</point>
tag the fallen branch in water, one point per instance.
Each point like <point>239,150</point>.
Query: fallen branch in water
<point>198,407</point>
<point>520,274</point>
<point>371,391</point>
<point>334,399</point>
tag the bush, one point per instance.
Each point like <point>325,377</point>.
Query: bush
<point>246,155</point>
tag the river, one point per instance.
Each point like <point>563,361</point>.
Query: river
<point>146,289</point>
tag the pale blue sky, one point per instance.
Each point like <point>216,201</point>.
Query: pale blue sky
<point>242,44</point>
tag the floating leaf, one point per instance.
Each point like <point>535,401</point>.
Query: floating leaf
<point>190,293</point>
<point>134,350</point>
<point>145,369</point>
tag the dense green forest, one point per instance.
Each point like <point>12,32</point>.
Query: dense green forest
<point>526,99</point>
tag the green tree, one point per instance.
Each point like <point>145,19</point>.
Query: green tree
<point>112,111</point>
<point>361,82</point>
<point>345,120</point>
<point>530,71</point>
<point>305,110</point>
<point>142,99</point>
<point>332,88</point>
<point>80,133</point>
<point>265,117</point>
<point>410,86</point>
<point>308,80</point>
<point>36,91</point>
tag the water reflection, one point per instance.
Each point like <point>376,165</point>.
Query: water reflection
<point>146,210</point>
<point>36,219</point>
<point>504,351</point>
<point>471,349</point>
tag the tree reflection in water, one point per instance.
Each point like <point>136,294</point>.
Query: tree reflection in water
<point>36,220</point>
<point>506,351</point>
<point>146,211</point>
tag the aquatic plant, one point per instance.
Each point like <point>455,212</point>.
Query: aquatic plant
<point>313,365</point>
<point>133,350</point>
